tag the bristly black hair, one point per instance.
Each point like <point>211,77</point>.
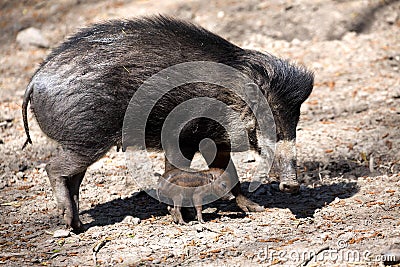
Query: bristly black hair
<point>281,81</point>
<point>94,61</point>
<point>287,82</point>
<point>291,83</point>
<point>158,25</point>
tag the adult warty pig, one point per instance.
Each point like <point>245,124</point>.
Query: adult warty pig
<point>193,186</point>
<point>80,93</point>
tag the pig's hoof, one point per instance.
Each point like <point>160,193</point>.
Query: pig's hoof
<point>200,220</point>
<point>247,205</point>
<point>175,218</point>
<point>74,223</point>
<point>77,227</point>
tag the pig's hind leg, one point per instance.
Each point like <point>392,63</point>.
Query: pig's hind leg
<point>66,172</point>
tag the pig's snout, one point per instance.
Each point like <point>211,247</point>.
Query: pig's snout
<point>286,164</point>
<point>289,187</point>
<point>289,184</point>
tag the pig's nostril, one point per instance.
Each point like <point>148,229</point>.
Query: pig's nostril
<point>285,187</point>
<point>289,187</point>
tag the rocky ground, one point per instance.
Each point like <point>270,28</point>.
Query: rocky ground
<point>348,210</point>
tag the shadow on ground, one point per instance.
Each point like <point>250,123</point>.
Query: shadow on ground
<point>363,21</point>
<point>302,205</point>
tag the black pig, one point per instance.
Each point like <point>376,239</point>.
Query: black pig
<point>180,185</point>
<point>80,93</point>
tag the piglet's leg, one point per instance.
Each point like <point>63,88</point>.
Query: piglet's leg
<point>177,215</point>
<point>198,204</point>
<point>223,160</point>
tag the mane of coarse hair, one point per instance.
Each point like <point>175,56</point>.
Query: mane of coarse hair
<point>281,82</point>
<point>292,83</point>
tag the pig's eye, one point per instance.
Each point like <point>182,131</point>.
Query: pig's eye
<point>223,185</point>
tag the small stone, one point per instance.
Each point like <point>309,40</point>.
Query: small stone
<point>155,247</point>
<point>32,37</point>
<point>146,251</point>
<point>41,166</point>
<point>324,236</point>
<point>210,210</point>
<point>199,228</point>
<point>250,158</point>
<point>35,260</point>
<point>336,200</point>
<point>131,220</point>
<point>237,243</point>
<point>61,233</point>
<point>391,18</point>
<point>22,167</point>
<point>296,42</point>
<point>246,220</point>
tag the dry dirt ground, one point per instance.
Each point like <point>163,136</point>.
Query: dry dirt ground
<point>348,210</point>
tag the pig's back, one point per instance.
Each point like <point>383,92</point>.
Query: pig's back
<point>82,89</point>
